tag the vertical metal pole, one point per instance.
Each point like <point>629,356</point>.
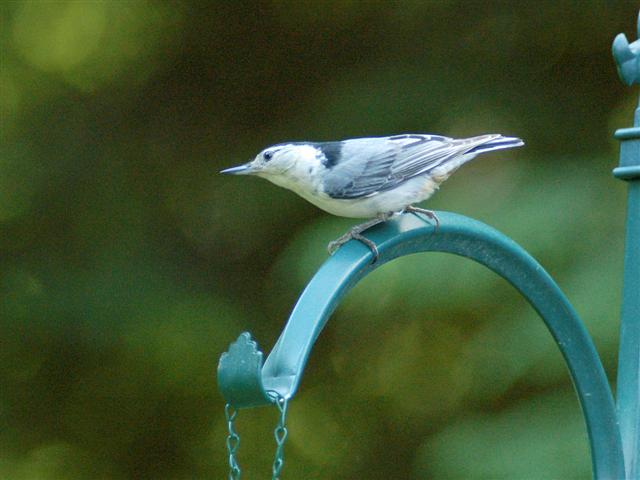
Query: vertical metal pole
<point>627,58</point>
<point>628,390</point>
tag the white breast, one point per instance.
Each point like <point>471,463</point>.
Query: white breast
<point>304,173</point>
<point>410,192</point>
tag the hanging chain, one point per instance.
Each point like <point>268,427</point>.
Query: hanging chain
<point>280,433</point>
<point>233,441</point>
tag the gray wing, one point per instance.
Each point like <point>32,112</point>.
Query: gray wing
<point>372,165</point>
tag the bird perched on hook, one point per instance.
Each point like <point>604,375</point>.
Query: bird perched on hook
<point>373,178</point>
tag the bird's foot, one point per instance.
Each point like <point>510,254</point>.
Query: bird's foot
<point>356,234</point>
<point>429,213</point>
<point>351,235</point>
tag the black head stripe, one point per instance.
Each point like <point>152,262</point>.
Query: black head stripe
<point>331,152</point>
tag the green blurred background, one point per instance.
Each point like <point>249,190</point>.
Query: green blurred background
<point>127,264</point>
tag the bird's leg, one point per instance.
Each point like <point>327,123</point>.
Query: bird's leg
<point>355,233</point>
<point>429,213</point>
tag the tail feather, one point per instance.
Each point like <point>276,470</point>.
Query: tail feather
<point>483,144</point>
<point>497,143</point>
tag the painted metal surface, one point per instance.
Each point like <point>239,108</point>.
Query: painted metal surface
<point>244,383</point>
<point>627,58</point>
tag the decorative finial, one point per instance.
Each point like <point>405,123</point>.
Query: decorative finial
<point>627,57</point>
<point>240,374</point>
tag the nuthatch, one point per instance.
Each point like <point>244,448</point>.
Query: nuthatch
<point>371,178</point>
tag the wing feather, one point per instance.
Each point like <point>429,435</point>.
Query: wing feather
<point>372,165</point>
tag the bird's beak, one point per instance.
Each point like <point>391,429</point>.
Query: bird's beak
<point>244,169</point>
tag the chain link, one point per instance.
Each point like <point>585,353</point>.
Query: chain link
<point>280,433</point>
<point>233,441</point>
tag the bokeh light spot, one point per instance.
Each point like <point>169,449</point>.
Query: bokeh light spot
<point>57,36</point>
<point>72,39</point>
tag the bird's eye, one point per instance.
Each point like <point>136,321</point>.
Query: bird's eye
<point>267,155</point>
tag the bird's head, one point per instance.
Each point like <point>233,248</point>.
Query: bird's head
<point>277,160</point>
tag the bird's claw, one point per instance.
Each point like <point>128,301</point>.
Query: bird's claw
<point>369,243</point>
<point>429,213</point>
<point>334,245</point>
<point>351,235</point>
<point>356,234</point>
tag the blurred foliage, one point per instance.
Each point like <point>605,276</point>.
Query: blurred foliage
<point>127,264</point>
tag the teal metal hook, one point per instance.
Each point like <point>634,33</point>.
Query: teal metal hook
<point>244,381</point>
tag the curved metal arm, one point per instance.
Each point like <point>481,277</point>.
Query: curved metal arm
<point>244,384</point>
